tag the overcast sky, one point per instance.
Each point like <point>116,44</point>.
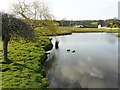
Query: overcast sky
<point>76,9</point>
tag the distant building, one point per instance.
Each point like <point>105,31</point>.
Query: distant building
<point>99,26</point>
<point>78,26</point>
<point>56,24</point>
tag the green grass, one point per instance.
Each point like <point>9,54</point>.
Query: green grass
<point>54,31</point>
<point>25,69</point>
<point>94,30</point>
<point>69,30</point>
<point>74,29</point>
<point>1,49</point>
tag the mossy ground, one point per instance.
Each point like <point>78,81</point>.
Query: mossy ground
<point>23,68</point>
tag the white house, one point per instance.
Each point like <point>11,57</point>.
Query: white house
<point>99,26</point>
<point>78,26</point>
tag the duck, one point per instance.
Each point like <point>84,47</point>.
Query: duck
<point>68,50</point>
<point>73,51</point>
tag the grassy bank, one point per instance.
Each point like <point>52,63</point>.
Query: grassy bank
<point>69,30</point>
<point>24,68</point>
<point>87,30</point>
<point>52,31</point>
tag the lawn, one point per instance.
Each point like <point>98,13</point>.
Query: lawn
<point>24,68</point>
<point>74,29</point>
<point>69,30</point>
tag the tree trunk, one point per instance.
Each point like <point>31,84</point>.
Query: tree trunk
<point>5,45</point>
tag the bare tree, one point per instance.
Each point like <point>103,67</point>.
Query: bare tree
<point>36,10</point>
<point>21,8</point>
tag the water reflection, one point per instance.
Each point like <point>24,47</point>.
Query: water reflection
<point>93,65</point>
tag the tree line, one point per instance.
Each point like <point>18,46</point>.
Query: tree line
<point>113,23</point>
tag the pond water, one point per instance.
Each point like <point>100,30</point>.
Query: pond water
<point>94,64</point>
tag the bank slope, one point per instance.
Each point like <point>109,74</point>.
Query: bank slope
<point>24,67</point>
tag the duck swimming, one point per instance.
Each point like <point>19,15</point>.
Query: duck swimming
<point>73,51</point>
<point>68,50</point>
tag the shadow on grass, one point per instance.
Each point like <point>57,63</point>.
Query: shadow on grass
<point>8,61</point>
<point>25,66</point>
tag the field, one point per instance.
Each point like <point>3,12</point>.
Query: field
<point>69,30</point>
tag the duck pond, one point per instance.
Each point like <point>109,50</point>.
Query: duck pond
<point>84,60</point>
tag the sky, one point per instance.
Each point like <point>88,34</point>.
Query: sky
<point>119,11</point>
<point>76,9</point>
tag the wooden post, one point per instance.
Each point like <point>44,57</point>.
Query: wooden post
<point>56,44</point>
<point>5,45</point>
